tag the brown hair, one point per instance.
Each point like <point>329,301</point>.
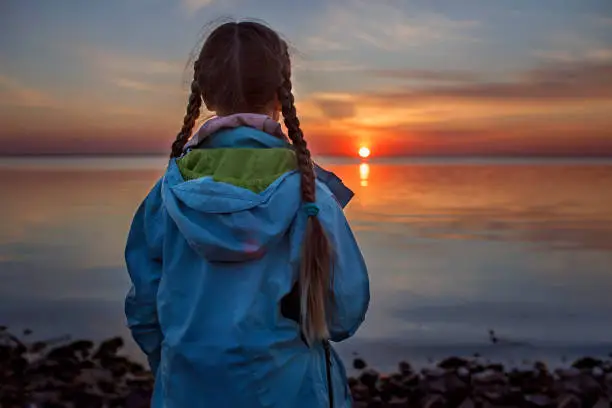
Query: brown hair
<point>241,68</point>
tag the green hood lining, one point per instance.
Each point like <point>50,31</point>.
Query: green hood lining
<point>251,169</point>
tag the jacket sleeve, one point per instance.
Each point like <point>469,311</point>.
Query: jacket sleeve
<point>143,256</point>
<point>350,284</point>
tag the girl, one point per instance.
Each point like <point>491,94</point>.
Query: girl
<point>242,262</point>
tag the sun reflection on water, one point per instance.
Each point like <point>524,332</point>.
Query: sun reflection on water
<point>364,174</point>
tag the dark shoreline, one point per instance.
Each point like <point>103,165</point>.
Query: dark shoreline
<point>62,373</point>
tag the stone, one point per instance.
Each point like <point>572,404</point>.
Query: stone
<point>463,372</point>
<point>495,367</point>
<point>434,401</point>
<point>359,364</point>
<point>397,403</point>
<point>586,363</point>
<point>360,392</point>
<point>467,403</point>
<point>433,372</point>
<point>569,401</point>
<point>489,377</point>
<point>411,380</point>
<point>539,400</point>
<point>369,378</point>
<point>376,402</point>
<point>453,363</point>
<point>567,372</point>
<point>597,372</point>
<point>603,402</point>
<point>405,368</point>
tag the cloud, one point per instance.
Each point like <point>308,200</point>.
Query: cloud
<point>336,109</point>
<point>387,27</point>
<point>317,43</point>
<point>426,75</point>
<point>113,61</point>
<point>549,81</point>
<point>555,108</point>
<point>15,93</point>
<point>195,5</point>
<point>143,86</point>
<point>301,64</point>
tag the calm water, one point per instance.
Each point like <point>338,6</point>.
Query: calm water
<point>454,247</point>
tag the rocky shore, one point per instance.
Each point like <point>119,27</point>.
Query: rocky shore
<point>74,374</point>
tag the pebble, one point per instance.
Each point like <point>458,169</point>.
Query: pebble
<point>359,364</point>
<point>602,403</point>
<point>588,383</point>
<point>488,377</point>
<point>453,363</point>
<point>467,403</point>
<point>369,378</point>
<point>405,368</point>
<point>569,401</point>
<point>587,363</point>
<point>539,400</point>
<point>463,372</point>
<point>434,401</point>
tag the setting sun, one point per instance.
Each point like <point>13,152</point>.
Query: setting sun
<point>364,152</point>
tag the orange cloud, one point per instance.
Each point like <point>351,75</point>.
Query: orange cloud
<point>15,93</point>
<point>554,109</point>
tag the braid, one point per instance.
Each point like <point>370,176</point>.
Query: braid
<point>315,277</point>
<point>297,138</point>
<point>192,114</point>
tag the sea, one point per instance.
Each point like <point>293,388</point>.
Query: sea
<point>456,248</point>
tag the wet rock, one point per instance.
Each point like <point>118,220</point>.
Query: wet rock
<point>433,373</point>
<point>109,348</point>
<point>467,403</point>
<point>567,373</point>
<point>590,390</point>
<point>359,364</point>
<point>398,403</point>
<point>495,367</point>
<point>489,377</point>
<point>434,401</point>
<point>597,372</point>
<point>360,392</point>
<point>405,368</point>
<point>376,402</point>
<point>603,402</point>
<point>453,363</point>
<point>539,400</point>
<point>607,384</point>
<point>569,401</point>
<point>369,378</point>
<point>463,372</point>
<point>411,380</point>
<point>540,366</point>
<point>586,363</point>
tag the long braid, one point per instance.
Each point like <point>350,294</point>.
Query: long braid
<point>315,267</point>
<point>191,115</point>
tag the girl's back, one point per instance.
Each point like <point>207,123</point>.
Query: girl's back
<point>236,227</point>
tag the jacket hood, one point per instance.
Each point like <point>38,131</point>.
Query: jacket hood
<point>231,203</point>
<point>238,192</point>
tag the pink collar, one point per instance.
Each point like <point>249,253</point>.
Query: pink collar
<point>254,120</point>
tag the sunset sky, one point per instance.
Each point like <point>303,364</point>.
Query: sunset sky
<point>421,77</point>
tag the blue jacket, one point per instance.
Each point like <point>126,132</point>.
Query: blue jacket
<point>210,262</point>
